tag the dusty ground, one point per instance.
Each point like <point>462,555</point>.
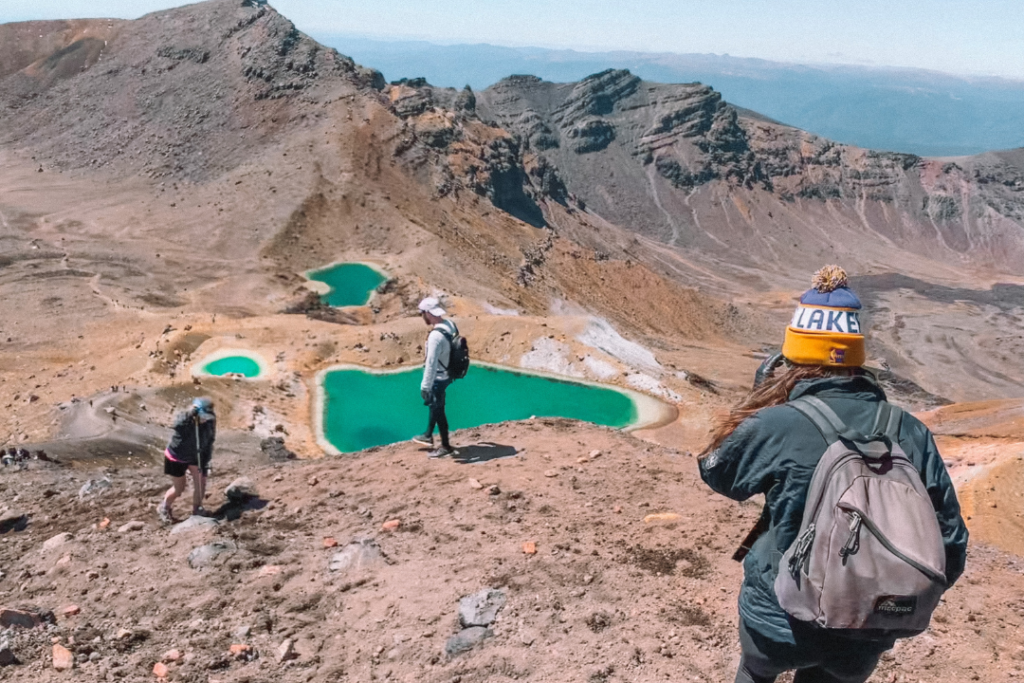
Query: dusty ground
<point>606,597</point>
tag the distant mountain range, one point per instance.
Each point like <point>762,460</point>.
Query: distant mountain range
<point>901,110</point>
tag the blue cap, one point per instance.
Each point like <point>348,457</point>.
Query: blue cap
<point>204,407</point>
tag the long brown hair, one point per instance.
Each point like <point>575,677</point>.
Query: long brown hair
<point>773,392</point>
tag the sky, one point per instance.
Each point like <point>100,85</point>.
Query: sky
<point>971,37</point>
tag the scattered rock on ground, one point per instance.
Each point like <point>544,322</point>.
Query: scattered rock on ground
<point>17,617</point>
<point>134,525</point>
<point>57,541</point>
<point>62,658</point>
<point>481,608</point>
<point>209,554</point>
<point>94,487</point>
<point>361,554</point>
<point>241,490</point>
<point>275,449</point>
<point>466,640</point>
<point>193,523</point>
<point>285,651</point>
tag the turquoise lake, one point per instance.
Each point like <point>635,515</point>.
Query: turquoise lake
<point>363,409</point>
<point>242,365</point>
<point>351,283</point>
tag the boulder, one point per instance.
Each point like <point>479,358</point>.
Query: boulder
<point>481,608</point>
<point>211,553</point>
<point>466,640</point>
<point>241,490</point>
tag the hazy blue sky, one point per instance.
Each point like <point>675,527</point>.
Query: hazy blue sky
<point>957,36</point>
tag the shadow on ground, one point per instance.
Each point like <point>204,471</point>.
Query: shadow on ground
<point>482,452</point>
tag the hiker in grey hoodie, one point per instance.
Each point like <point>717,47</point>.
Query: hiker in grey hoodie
<point>435,375</point>
<point>767,447</point>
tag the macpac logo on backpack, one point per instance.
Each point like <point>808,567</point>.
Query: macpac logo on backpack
<point>458,355</point>
<point>869,555</point>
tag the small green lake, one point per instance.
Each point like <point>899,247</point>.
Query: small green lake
<point>351,283</point>
<point>241,365</point>
<point>364,409</point>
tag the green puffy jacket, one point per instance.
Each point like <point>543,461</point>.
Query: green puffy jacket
<point>774,452</point>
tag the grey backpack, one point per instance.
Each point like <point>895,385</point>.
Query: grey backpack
<point>869,555</point>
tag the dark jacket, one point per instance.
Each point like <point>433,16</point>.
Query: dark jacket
<point>774,452</point>
<point>183,441</point>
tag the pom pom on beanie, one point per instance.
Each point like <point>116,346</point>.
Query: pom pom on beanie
<point>825,329</point>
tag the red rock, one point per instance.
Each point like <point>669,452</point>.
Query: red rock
<point>105,523</point>
<point>171,656</point>
<point>63,660</point>
<point>70,610</point>
<point>17,617</point>
<point>240,651</point>
<point>530,548</point>
<point>160,670</point>
<point>329,542</point>
<point>391,525</point>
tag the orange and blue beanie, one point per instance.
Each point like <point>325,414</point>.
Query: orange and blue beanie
<point>825,329</point>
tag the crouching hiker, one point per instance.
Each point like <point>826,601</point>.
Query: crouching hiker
<point>189,450</point>
<point>855,491</point>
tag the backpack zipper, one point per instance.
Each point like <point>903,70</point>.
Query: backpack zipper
<point>877,533</point>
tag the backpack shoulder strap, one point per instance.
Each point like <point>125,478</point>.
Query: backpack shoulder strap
<point>449,331</point>
<point>449,337</point>
<point>825,419</point>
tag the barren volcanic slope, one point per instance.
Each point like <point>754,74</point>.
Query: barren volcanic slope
<point>165,182</point>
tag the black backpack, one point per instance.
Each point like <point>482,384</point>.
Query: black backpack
<point>458,356</point>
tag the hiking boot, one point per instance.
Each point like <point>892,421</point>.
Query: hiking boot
<point>441,451</point>
<point>164,513</point>
<point>199,512</point>
<point>424,439</point>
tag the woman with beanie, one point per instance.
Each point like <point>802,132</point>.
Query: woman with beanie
<point>766,446</point>
<point>189,450</point>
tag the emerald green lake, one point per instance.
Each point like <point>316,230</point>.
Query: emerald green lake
<point>351,283</point>
<point>242,365</point>
<point>363,409</point>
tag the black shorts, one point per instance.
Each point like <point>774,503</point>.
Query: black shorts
<point>178,469</point>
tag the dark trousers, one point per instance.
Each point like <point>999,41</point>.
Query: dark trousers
<point>818,657</point>
<point>437,416</point>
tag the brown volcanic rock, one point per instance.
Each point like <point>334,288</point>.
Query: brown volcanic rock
<point>618,143</point>
<point>184,93</point>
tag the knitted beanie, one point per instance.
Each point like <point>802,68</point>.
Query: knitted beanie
<point>825,329</point>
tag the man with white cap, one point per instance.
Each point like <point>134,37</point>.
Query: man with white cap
<point>435,374</point>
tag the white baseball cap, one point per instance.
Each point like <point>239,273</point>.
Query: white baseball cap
<point>432,306</point>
